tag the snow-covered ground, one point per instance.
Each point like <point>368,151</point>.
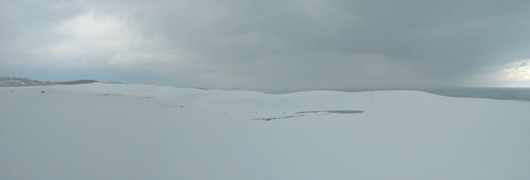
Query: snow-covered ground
<point>109,131</point>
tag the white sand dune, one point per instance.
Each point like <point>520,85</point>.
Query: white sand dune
<point>109,131</point>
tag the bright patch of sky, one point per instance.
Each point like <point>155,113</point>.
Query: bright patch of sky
<point>516,74</point>
<point>96,40</point>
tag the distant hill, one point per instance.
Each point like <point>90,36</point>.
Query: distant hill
<point>17,82</point>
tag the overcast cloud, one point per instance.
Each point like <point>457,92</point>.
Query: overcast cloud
<point>306,44</point>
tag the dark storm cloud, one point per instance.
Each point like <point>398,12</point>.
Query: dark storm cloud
<point>454,38</point>
<point>323,44</point>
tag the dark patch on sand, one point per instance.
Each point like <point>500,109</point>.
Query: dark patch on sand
<point>334,112</point>
<point>314,112</point>
<point>109,94</point>
<point>269,119</point>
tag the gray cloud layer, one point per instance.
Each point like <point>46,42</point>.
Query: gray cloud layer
<point>274,44</point>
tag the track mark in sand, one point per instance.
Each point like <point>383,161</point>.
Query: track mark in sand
<point>334,112</point>
<point>168,105</point>
<point>314,112</point>
<point>110,94</point>
<point>269,119</point>
<point>147,98</point>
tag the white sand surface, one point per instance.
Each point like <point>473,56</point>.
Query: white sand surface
<point>112,131</point>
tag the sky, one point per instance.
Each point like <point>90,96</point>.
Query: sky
<point>296,45</point>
